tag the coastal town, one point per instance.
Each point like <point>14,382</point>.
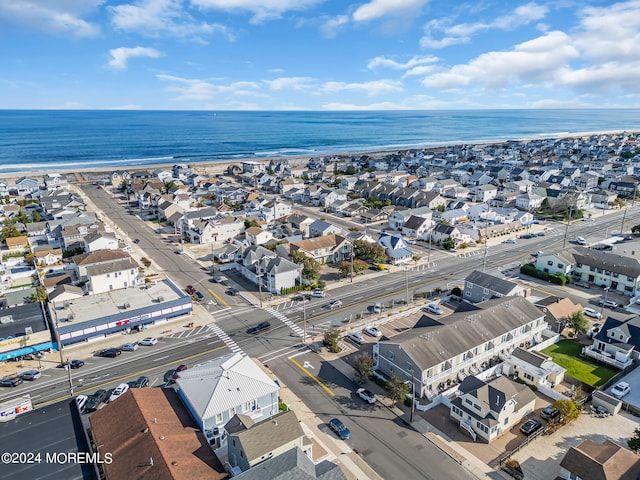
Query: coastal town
<point>462,311</point>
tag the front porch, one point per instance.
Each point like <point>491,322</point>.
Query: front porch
<point>606,357</point>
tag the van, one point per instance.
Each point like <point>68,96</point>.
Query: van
<point>581,241</point>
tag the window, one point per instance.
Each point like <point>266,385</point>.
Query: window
<point>630,279</point>
<point>234,442</point>
<point>468,402</point>
<point>506,421</point>
<point>614,275</point>
<point>391,356</point>
<point>578,265</point>
<point>528,377</point>
<point>467,293</point>
<point>550,263</point>
<point>108,275</point>
<point>218,417</point>
<point>561,265</point>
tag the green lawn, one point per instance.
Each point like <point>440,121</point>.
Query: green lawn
<point>567,354</point>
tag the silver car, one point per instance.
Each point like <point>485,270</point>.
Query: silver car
<point>129,347</point>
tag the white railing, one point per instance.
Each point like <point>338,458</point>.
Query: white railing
<point>606,358</point>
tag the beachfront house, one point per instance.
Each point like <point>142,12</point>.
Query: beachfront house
<point>27,185</point>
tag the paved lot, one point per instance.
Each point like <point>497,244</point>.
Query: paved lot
<point>633,379</point>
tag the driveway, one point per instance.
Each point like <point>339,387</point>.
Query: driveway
<point>633,379</point>
<point>540,460</point>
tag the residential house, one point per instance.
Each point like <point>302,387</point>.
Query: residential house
<point>436,353</point>
<point>257,236</point>
<point>60,294</point>
<point>100,241</point>
<point>374,215</point>
<point>615,272</point>
<point>485,410</point>
<point>118,178</point>
<point>265,268</point>
<point>441,231</point>
<point>399,216</point>
<point>433,200</point>
<point>46,255</point>
<point>17,243</point>
<point>602,461</point>
<point>326,249</point>
<point>534,368</point>
<point>106,270</point>
<point>480,287</point>
<point>320,227</point>
<point>250,443</point>
<point>215,391</point>
<point>27,186</point>
<point>416,227</point>
<point>226,253</point>
<point>557,310</point>
<point>149,434</point>
<point>219,229</point>
<point>166,208</point>
<point>396,249</point>
<point>483,193</point>
<point>73,234</point>
<point>617,343</point>
<point>529,201</point>
<point>294,464</point>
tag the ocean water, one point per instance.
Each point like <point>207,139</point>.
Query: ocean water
<point>82,140</point>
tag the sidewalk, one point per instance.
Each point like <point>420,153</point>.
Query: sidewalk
<point>471,463</point>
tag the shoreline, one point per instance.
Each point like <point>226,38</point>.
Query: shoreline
<point>218,167</point>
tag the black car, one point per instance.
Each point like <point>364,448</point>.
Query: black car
<point>141,382</point>
<point>110,352</point>
<point>10,382</point>
<point>76,364</point>
<point>94,401</point>
<point>550,412</point>
<point>531,426</point>
<point>199,296</point>
<point>233,292</point>
<point>170,376</point>
<point>137,240</point>
<point>259,328</point>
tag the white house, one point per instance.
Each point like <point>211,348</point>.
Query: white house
<point>106,270</point>
<point>100,241</point>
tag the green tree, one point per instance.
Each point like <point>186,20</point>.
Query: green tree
<point>251,223</point>
<point>369,252</point>
<point>635,229</point>
<point>330,340</point>
<point>9,231</point>
<point>569,411</point>
<point>634,442</point>
<point>40,295</point>
<point>577,322</point>
<point>372,202</point>
<point>36,216</point>
<point>398,389</point>
<point>440,208</point>
<point>358,267</point>
<point>448,243</point>
<point>363,365</point>
<point>168,186</point>
<point>310,267</point>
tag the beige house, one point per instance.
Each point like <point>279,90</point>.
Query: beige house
<point>325,249</point>
<point>534,368</point>
<point>257,235</point>
<point>606,461</point>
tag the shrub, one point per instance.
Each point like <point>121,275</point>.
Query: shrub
<point>557,278</point>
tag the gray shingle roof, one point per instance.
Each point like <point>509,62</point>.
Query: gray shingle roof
<point>489,281</point>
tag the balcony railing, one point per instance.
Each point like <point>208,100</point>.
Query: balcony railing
<point>605,358</point>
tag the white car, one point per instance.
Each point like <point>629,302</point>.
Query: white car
<point>620,389</point>
<point>377,308</point>
<point>539,253</point>
<point>81,400</point>
<point>372,331</point>
<point>148,342</point>
<point>129,347</point>
<point>433,308</point>
<point>608,304</point>
<point>335,304</point>
<point>509,240</point>
<point>356,338</point>
<point>118,391</point>
<point>590,312</point>
<point>366,395</point>
<point>318,293</point>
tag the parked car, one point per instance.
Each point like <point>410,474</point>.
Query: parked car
<point>141,382</point>
<point>178,252</point>
<point>620,389</point>
<point>377,308</point>
<point>366,395</point>
<point>509,240</point>
<point>340,428</point>
<point>110,352</point>
<point>136,241</point>
<point>318,293</point>
<point>129,347</point>
<point>218,279</point>
<point>550,412</point>
<point>148,342</point>
<point>190,290</point>
<point>10,382</point>
<point>302,298</point>
<point>94,401</point>
<point>81,400</point>
<point>581,241</point>
<point>170,376</point>
<point>335,304</point>
<point>372,331</point>
<point>199,296</point>
<point>539,253</point>
<point>233,292</point>
<point>176,372</point>
<point>259,328</point>
<point>356,338</point>
<point>30,375</point>
<point>608,304</point>
<point>595,329</point>
<point>433,308</point>
<point>119,390</point>
<point>531,426</point>
<point>590,312</point>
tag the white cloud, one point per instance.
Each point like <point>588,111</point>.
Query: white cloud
<point>331,27</point>
<point>373,88</point>
<point>54,16</point>
<point>197,89</point>
<point>163,18</point>
<point>377,9</point>
<point>120,56</point>
<point>462,33</point>
<point>290,83</point>
<point>413,62</point>
<point>262,10</point>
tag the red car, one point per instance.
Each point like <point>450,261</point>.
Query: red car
<point>190,290</point>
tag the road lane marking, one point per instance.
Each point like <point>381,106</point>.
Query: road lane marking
<point>312,376</point>
<point>218,297</point>
<point>161,358</point>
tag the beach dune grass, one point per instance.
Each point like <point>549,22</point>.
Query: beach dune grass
<point>568,354</point>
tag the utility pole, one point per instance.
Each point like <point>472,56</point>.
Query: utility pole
<point>406,278</point>
<point>351,244</point>
<point>486,249</point>
<point>566,231</point>
<point>624,215</point>
<point>66,364</point>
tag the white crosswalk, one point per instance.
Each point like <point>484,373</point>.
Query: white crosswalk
<point>282,317</point>
<point>228,341</point>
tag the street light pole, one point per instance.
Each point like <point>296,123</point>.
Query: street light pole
<point>606,292</point>
<point>260,280</point>
<point>566,231</point>
<point>304,312</point>
<point>66,364</point>
<point>413,397</point>
<point>406,278</point>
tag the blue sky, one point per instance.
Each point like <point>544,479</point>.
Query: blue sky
<point>318,54</point>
